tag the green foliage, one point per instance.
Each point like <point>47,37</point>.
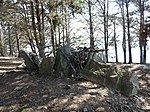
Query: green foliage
<point>61,15</point>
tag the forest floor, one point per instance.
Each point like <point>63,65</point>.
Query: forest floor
<point>20,89</point>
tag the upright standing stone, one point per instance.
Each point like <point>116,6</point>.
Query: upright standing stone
<point>62,63</point>
<point>28,61</point>
<point>46,66</point>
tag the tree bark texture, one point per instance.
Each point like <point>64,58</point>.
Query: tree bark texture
<point>129,38</point>
<point>124,31</point>
<point>9,41</point>
<point>39,27</point>
<point>91,26</point>
<point>115,41</point>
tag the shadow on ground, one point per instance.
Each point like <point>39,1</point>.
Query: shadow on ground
<point>21,89</point>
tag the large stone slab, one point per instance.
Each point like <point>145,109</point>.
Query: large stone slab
<point>46,66</point>
<point>112,77</point>
<point>30,65</point>
<point>62,65</point>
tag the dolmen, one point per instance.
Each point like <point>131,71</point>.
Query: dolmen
<point>112,77</point>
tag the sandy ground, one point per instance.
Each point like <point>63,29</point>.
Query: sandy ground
<point>20,89</point>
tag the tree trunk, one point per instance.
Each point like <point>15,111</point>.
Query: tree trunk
<point>105,12</point>
<point>141,44</point>
<point>124,30</point>
<point>29,29</point>
<point>1,45</point>
<point>144,57</point>
<point>1,42</point>
<point>63,28</point>
<point>107,17</point>
<point>59,36</point>
<point>39,24</point>
<point>91,26</point>
<point>115,42</point>
<point>144,46</point>
<point>140,37</point>
<point>63,35</point>
<point>129,38</point>
<point>52,37</point>
<point>18,44</point>
<point>66,26</point>
<point>141,55</point>
<point>42,52</point>
<point>9,41</point>
<point>33,23</point>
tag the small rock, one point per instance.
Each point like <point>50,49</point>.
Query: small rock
<point>100,109</point>
<point>75,97</point>
<point>22,66</point>
<point>27,110</point>
<point>85,110</point>
<point>18,88</point>
<point>66,87</point>
<point>42,107</point>
<point>45,96</point>
<point>56,110</point>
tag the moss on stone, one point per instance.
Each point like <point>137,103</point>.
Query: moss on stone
<point>111,76</point>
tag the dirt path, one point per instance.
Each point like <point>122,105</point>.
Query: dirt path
<point>20,89</point>
<point>9,64</point>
